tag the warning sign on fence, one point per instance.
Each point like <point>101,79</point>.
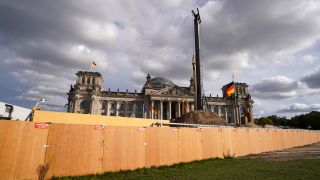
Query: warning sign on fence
<point>98,127</point>
<point>41,125</point>
<point>174,129</point>
<point>141,129</point>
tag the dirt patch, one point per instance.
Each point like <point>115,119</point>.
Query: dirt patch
<point>201,117</point>
<point>252,125</point>
<point>305,152</point>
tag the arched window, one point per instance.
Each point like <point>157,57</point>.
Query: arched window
<point>85,107</point>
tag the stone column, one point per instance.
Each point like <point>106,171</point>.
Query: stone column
<point>134,108</point>
<point>250,118</point>
<point>108,106</point>
<point>226,114</point>
<point>179,110</point>
<point>239,115</point>
<point>117,108</point>
<point>151,109</point>
<point>187,107</point>
<point>126,109</point>
<point>161,110</point>
<point>169,110</point>
<point>144,110</point>
<point>234,114</point>
<point>92,105</point>
<point>76,104</point>
<point>192,106</point>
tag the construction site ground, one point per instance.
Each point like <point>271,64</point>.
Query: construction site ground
<point>305,152</point>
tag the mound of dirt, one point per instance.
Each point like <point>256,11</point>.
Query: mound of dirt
<point>252,125</point>
<point>201,117</point>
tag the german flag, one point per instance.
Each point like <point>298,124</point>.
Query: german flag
<point>93,64</point>
<point>230,90</point>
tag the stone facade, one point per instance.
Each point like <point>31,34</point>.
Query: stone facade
<point>160,98</point>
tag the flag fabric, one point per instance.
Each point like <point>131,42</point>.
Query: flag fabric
<point>43,100</point>
<point>230,90</point>
<point>93,64</point>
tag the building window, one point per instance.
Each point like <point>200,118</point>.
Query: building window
<point>139,106</point>
<point>83,80</point>
<point>113,109</point>
<point>93,81</point>
<point>138,115</point>
<point>88,80</point>
<point>130,106</point>
<point>104,105</point>
<point>123,106</point>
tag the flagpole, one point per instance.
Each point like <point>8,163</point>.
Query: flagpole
<point>235,101</point>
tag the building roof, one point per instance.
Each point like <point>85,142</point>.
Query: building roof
<point>161,81</point>
<point>88,73</point>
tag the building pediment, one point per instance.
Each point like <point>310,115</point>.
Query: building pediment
<point>172,91</point>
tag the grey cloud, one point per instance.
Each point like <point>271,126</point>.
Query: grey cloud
<point>278,87</point>
<point>300,108</point>
<point>42,38</point>
<point>312,79</point>
<point>259,26</point>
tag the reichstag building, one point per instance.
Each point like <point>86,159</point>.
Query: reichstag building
<point>159,98</point>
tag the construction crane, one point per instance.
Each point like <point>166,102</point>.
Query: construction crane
<point>198,89</point>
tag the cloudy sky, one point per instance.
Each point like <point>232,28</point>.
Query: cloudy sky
<point>273,45</point>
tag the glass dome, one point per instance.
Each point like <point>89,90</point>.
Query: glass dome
<point>161,81</point>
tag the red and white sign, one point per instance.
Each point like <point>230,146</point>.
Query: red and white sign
<point>174,129</point>
<point>141,129</point>
<point>98,127</point>
<point>41,125</point>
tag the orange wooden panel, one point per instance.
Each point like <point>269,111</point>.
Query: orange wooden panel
<point>258,140</point>
<point>21,149</point>
<point>228,148</point>
<point>124,148</point>
<point>276,139</point>
<point>74,150</point>
<point>252,141</point>
<point>243,142</point>
<point>190,147</point>
<point>211,143</point>
<point>162,146</point>
<point>234,141</point>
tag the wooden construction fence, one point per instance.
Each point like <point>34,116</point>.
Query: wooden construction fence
<point>86,149</point>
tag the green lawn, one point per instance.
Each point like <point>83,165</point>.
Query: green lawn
<point>222,169</point>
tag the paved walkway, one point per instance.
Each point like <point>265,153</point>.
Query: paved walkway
<point>306,152</point>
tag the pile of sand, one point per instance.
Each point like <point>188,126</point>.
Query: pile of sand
<point>201,117</point>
